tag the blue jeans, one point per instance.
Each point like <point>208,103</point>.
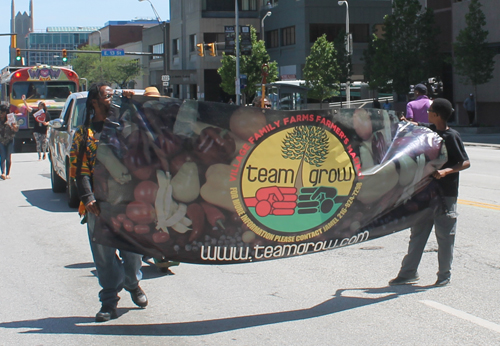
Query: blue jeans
<point>5,154</point>
<point>114,273</point>
<point>444,221</point>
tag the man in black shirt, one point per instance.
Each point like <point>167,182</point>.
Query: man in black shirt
<point>445,217</point>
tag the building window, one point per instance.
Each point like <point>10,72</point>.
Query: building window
<point>228,5</point>
<point>192,43</point>
<point>272,39</point>
<point>157,49</point>
<point>360,33</point>
<point>248,5</point>
<point>176,46</point>
<point>269,3</point>
<point>288,36</point>
<point>331,30</point>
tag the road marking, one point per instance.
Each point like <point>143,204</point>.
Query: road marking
<point>479,204</point>
<point>463,315</point>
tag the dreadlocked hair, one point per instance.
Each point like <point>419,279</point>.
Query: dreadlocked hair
<point>92,95</point>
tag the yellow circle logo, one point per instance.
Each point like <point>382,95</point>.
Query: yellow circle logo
<point>294,182</point>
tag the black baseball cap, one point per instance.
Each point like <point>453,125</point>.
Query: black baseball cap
<point>421,88</point>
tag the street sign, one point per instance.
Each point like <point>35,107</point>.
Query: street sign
<point>112,52</point>
<point>166,84</point>
<point>230,36</point>
<point>165,78</point>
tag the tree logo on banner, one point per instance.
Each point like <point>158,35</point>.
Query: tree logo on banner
<point>298,181</point>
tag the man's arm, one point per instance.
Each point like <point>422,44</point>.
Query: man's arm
<point>82,178</point>
<point>441,173</point>
<point>409,111</point>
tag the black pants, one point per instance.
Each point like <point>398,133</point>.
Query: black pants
<point>471,115</point>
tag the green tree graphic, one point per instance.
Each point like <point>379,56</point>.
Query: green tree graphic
<point>305,143</point>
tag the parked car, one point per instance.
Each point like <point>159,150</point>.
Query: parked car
<point>60,134</point>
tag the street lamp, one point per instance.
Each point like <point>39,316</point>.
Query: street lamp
<point>347,47</point>
<point>164,30</point>
<point>154,10</point>
<point>268,14</point>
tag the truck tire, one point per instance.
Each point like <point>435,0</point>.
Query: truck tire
<point>58,183</point>
<point>72,192</point>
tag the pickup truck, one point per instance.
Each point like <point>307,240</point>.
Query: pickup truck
<point>60,133</point>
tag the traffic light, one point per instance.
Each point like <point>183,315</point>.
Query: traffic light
<point>18,54</point>
<point>201,49</point>
<point>64,55</point>
<point>212,48</point>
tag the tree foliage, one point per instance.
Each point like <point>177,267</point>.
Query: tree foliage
<point>308,144</point>
<point>343,57</point>
<point>375,71</point>
<point>117,70</point>
<point>473,58</point>
<point>250,65</point>
<point>407,53</point>
<point>321,71</point>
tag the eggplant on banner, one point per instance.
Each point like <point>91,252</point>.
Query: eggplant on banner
<point>214,183</point>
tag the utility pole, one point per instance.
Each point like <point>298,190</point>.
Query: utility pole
<point>237,42</point>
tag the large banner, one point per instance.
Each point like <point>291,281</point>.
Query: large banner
<point>214,183</point>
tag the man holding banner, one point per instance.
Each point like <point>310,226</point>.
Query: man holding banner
<point>444,215</point>
<point>114,273</point>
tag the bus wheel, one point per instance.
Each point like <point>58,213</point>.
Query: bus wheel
<point>18,145</point>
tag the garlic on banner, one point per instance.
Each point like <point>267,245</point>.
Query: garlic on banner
<point>168,212</point>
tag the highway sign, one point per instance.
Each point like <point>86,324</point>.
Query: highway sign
<point>165,78</point>
<point>112,52</point>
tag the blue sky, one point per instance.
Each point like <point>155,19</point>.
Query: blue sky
<point>76,13</point>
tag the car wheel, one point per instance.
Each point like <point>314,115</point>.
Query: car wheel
<point>58,183</point>
<point>73,200</point>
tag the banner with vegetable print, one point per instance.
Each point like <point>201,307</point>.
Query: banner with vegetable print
<point>214,183</point>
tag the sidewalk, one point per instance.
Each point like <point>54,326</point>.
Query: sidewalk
<point>479,136</point>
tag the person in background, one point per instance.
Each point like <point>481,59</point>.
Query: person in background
<point>416,110</point>
<point>8,131</point>
<point>376,103</point>
<point>231,102</point>
<point>444,218</point>
<point>114,272</point>
<point>42,118</point>
<point>470,107</point>
<point>257,102</point>
<point>386,105</point>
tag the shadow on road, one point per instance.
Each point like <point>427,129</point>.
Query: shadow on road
<point>149,270</point>
<point>47,200</point>
<point>342,300</point>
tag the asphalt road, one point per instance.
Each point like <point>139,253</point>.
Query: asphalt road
<point>339,297</point>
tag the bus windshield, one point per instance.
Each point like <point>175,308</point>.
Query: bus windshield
<point>43,90</point>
